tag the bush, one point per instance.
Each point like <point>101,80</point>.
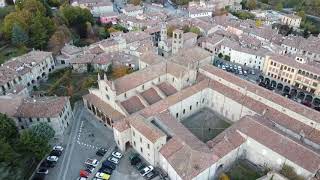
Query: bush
<point>220,55</point>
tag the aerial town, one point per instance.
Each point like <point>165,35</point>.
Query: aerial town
<point>160,90</point>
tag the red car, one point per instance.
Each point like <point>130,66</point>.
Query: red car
<point>84,173</point>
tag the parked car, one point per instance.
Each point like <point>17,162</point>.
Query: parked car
<point>106,170</point>
<point>91,162</point>
<point>101,152</point>
<point>55,153</point>
<point>146,170</point>
<point>58,148</point>
<point>42,171</point>
<point>89,169</point>
<point>84,173</point>
<point>116,154</point>
<point>151,175</point>
<point>102,175</point>
<point>134,159</point>
<point>140,166</point>
<point>306,103</point>
<point>109,165</point>
<point>240,72</point>
<point>113,160</point>
<point>317,108</point>
<point>82,178</point>
<point>252,72</point>
<point>245,73</point>
<point>52,158</point>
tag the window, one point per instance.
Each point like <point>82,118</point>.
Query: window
<point>148,146</point>
<point>141,149</point>
<point>197,103</point>
<point>140,139</point>
<point>30,120</point>
<point>22,127</point>
<point>203,100</point>
<point>133,133</point>
<point>125,95</point>
<point>106,88</point>
<point>184,111</point>
<point>173,79</point>
<point>134,143</point>
<point>142,87</point>
<point>190,107</point>
<point>19,119</point>
<point>107,97</point>
<point>177,115</point>
<point>38,119</point>
<point>48,119</point>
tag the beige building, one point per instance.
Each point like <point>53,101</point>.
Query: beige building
<point>26,70</point>
<point>296,71</point>
<point>26,111</point>
<point>291,20</point>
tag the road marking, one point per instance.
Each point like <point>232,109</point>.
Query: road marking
<point>72,146</point>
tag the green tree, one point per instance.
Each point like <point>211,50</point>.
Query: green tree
<point>21,18</point>
<point>38,34</point>
<point>32,6</point>
<point>7,153</point>
<point>195,30</point>
<point>103,33</point>
<point>279,6</point>
<point>8,129</point>
<point>33,144</point>
<point>19,37</point>
<point>43,131</point>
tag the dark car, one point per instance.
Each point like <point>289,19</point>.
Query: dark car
<point>106,170</point>
<point>135,161</point>
<point>306,103</point>
<point>140,166</point>
<point>101,152</point>
<point>55,153</point>
<point>47,163</point>
<point>317,108</point>
<point>39,177</point>
<point>262,84</point>
<point>151,175</point>
<point>109,165</point>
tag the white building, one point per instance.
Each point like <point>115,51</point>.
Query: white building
<point>27,70</point>
<point>97,8</point>
<point>131,10</point>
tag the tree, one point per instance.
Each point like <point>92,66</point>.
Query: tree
<point>19,37</point>
<point>38,34</point>
<point>21,18</point>
<point>251,4</point>
<point>59,38</point>
<point>8,129</point>
<point>103,33</point>
<point>195,30</point>
<point>7,153</point>
<point>33,144</point>
<point>32,6</point>
<point>43,131</point>
<point>135,2</point>
<point>279,6</point>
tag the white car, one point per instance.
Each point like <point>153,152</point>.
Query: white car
<point>42,171</point>
<point>113,160</point>
<point>116,154</point>
<point>52,158</point>
<point>146,170</point>
<point>58,148</point>
<point>92,162</point>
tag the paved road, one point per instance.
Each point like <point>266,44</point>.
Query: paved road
<point>80,145</point>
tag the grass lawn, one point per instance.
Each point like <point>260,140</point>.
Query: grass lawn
<point>241,171</point>
<point>64,82</point>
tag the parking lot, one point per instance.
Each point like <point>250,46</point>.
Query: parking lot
<point>239,70</point>
<point>255,76</point>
